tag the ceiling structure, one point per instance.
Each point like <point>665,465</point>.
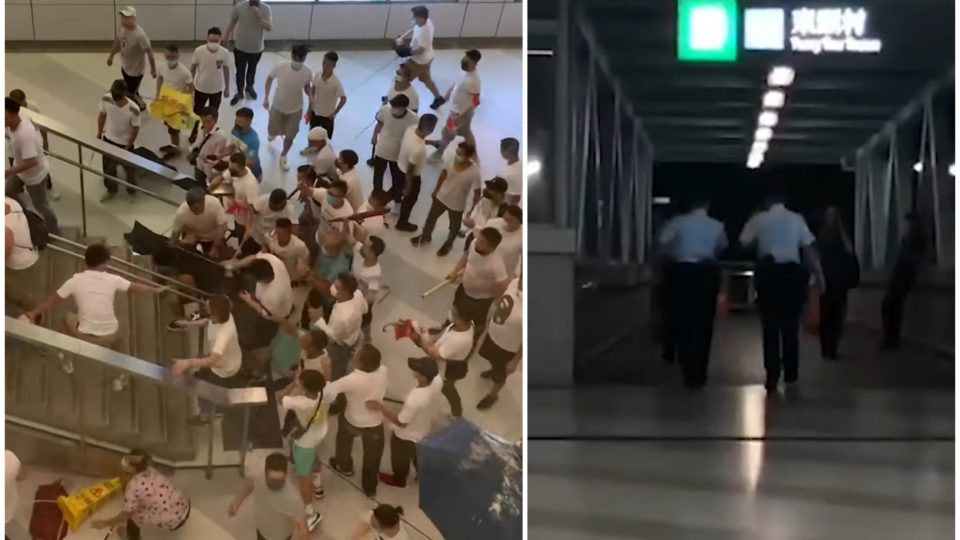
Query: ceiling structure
<point>708,112</point>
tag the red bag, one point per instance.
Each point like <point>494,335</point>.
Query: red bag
<point>46,522</point>
<point>401,329</point>
<point>811,314</point>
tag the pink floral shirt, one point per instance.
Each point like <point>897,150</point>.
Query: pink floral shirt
<point>152,499</point>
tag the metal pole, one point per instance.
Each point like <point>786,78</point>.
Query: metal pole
<point>561,126</point>
<point>83,196</point>
<point>209,472</point>
<point>243,440</point>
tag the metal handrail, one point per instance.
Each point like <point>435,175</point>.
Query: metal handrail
<point>155,373</point>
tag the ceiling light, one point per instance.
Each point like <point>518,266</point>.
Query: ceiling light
<point>759,147</point>
<point>540,52</point>
<point>780,76</point>
<point>768,119</point>
<point>773,99</point>
<point>918,167</point>
<point>533,167</point>
<point>754,161</point>
<point>763,134</point>
<point>661,201</point>
<point>952,169</point>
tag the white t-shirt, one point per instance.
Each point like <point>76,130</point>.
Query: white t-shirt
<point>11,470</point>
<point>465,91</point>
<point>23,254</point>
<point>246,190</point>
<point>506,324</point>
<point>457,187</point>
<point>367,276</point>
<point>308,413</point>
<point>354,188</point>
<point>411,94</point>
<point>361,387</point>
<point>392,132</point>
<point>222,338</point>
<point>422,37</point>
<point>416,412</point>
<point>413,150</point>
<point>290,254</point>
<point>288,90</point>
<point>345,320</point>
<point>178,78</point>
<point>454,345</point>
<point>121,120</point>
<point>484,211</point>
<point>214,145</point>
<point>482,273</point>
<point>27,143</point>
<point>209,68</point>
<point>511,245</point>
<point>326,94</point>
<point>266,219</point>
<point>513,174</point>
<point>94,291</point>
<point>373,225</point>
<point>213,216</point>
<point>276,296</point>
<point>325,162</point>
<point>324,212</point>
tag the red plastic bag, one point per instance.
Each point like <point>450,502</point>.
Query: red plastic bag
<point>46,521</point>
<point>401,329</point>
<point>811,314</point>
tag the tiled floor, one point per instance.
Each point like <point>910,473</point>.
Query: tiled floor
<point>67,86</point>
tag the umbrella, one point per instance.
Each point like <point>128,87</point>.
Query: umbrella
<point>471,483</point>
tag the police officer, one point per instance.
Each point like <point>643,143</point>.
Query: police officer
<point>693,241</point>
<point>784,244</point>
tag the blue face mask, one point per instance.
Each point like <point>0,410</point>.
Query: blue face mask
<point>332,200</point>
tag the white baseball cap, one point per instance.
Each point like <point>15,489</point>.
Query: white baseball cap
<point>128,11</point>
<point>317,134</point>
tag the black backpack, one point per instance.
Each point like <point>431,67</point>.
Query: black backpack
<point>39,233</point>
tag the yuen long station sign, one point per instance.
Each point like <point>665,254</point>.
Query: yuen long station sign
<point>710,30</point>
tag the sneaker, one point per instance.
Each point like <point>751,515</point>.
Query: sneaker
<point>406,226</point>
<point>335,465</point>
<point>487,402</point>
<point>444,250</point>
<point>66,364</point>
<point>236,99</point>
<point>419,240</point>
<point>318,492</point>
<point>370,162</point>
<point>121,382</point>
<point>284,166</point>
<point>438,102</point>
<point>390,480</point>
<point>107,197</point>
<point>251,93</point>
<point>313,520</point>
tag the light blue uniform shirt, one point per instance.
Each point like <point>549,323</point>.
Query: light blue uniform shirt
<point>693,237</point>
<point>779,233</point>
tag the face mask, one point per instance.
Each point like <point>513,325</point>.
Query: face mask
<point>116,96</point>
<point>296,65</point>
<point>460,159</point>
<point>332,200</point>
<point>487,194</point>
<point>398,79</point>
<point>397,114</point>
<point>464,65</point>
<point>213,46</point>
<point>276,485</point>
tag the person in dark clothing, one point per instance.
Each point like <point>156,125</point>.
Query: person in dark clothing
<point>841,273</point>
<point>913,252</point>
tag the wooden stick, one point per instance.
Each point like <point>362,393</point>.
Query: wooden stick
<point>435,288</point>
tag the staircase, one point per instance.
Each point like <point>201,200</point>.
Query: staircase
<point>143,415</point>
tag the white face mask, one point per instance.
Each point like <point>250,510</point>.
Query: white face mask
<point>296,65</point>
<point>213,46</point>
<point>172,63</point>
<point>398,79</point>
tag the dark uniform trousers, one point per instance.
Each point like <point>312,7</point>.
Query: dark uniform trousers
<point>781,292</point>
<point>694,306</point>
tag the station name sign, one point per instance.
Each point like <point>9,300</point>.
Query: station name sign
<point>821,30</point>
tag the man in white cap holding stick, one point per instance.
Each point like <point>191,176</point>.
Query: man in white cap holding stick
<point>134,46</point>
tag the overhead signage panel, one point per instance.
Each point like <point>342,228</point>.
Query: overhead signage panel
<point>809,30</point>
<point>707,30</point>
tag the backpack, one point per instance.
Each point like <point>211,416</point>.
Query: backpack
<point>39,233</point>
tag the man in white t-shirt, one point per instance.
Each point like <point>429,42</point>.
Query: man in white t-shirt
<point>293,82</point>
<point>411,160</point>
<point>366,383</point>
<point>177,77</point>
<point>343,326</point>
<point>327,205</point>
<point>206,152</point>
<point>513,171</point>
<point>347,165</point>
<point>365,266</point>
<point>510,225</point>
<point>210,67</point>
<point>503,346</point>
<point>420,40</point>
<point>458,180</point>
<point>413,422</point>
<point>324,159</point>
<point>296,258</point>
<point>119,125</point>
<point>326,95</point>
<point>490,205</point>
<point>93,290</point>
<point>393,119</point>
<point>21,255</point>
<point>29,170</point>
<point>135,51</point>
<point>266,211</point>
<point>452,348</point>
<point>464,99</point>
<point>200,220</point>
<point>273,292</point>
<point>482,276</point>
<point>246,190</point>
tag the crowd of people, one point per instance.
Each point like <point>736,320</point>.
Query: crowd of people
<point>307,263</point>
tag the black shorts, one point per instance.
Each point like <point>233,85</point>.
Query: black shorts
<point>456,370</point>
<point>474,309</point>
<point>498,358</point>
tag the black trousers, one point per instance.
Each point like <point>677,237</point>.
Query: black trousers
<point>781,291</point>
<point>833,313</point>
<point>437,209</point>
<point>246,68</point>
<point>665,305</point>
<point>133,83</point>
<point>892,308</point>
<point>325,122</point>
<point>402,454</point>
<point>110,166</point>
<point>398,179</point>
<point>373,443</point>
<point>201,101</point>
<point>410,195</point>
<point>694,299</point>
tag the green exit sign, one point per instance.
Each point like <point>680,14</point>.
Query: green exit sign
<point>707,30</point>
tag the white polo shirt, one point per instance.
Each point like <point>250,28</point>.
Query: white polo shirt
<point>209,68</point>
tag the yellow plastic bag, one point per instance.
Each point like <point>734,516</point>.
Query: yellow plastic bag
<point>81,505</point>
<point>174,108</point>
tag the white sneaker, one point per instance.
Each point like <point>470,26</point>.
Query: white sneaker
<point>121,382</point>
<point>284,166</point>
<point>313,520</point>
<point>65,364</point>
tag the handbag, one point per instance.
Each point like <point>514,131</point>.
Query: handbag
<point>195,151</point>
<point>292,428</point>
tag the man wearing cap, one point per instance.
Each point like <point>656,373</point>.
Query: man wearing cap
<point>133,45</point>
<point>324,157</point>
<point>413,422</point>
<point>491,204</point>
<point>248,21</point>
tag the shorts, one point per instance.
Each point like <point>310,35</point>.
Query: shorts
<point>303,459</point>
<point>455,371</point>
<point>417,71</point>
<point>498,358</point>
<point>475,310</point>
<point>284,124</point>
<point>113,341</point>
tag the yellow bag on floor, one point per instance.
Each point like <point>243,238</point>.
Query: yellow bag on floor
<point>78,507</point>
<point>174,108</point>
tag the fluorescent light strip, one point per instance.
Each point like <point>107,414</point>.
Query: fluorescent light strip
<point>763,134</point>
<point>774,99</point>
<point>781,76</point>
<point>768,119</point>
<point>540,52</point>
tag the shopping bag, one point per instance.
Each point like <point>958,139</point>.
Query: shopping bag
<point>46,520</point>
<point>811,314</point>
<point>81,505</point>
<point>174,108</point>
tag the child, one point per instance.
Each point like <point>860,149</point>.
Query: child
<point>176,76</point>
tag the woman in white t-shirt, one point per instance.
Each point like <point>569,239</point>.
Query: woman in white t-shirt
<point>383,523</point>
<point>223,362</point>
<point>451,348</point>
